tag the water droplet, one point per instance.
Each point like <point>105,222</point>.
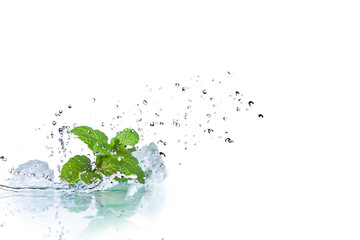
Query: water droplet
<point>162,165</point>
<point>261,116</point>
<point>204,91</point>
<point>177,84</point>
<point>228,140</point>
<point>238,109</point>
<point>176,123</point>
<point>89,132</point>
<point>94,99</point>
<point>152,124</point>
<point>183,89</point>
<point>208,115</point>
<point>70,106</point>
<point>116,106</point>
<point>119,158</point>
<point>145,102</point>
<point>211,99</point>
<point>97,153</point>
<point>32,175</point>
<point>250,103</point>
<point>128,147</point>
<point>210,130</point>
<point>162,154</point>
<point>237,93</point>
<point>53,123</point>
<point>2,158</point>
<point>60,111</point>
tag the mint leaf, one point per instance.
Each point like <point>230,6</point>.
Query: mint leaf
<point>78,169</point>
<point>126,163</point>
<point>126,137</point>
<point>110,158</point>
<point>95,139</point>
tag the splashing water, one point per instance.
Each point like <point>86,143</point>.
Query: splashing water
<point>169,119</point>
<point>187,110</point>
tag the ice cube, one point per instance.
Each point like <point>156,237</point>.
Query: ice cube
<point>151,163</point>
<point>34,173</point>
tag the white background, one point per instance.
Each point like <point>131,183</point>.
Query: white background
<point>293,175</point>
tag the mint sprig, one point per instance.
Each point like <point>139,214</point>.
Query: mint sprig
<point>110,158</point>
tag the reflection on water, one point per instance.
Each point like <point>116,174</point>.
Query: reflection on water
<point>84,215</point>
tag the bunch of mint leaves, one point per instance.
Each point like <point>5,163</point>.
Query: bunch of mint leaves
<point>110,158</point>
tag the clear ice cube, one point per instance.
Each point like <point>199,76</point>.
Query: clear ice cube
<point>151,163</point>
<point>34,173</point>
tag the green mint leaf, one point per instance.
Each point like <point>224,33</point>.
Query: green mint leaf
<point>78,169</point>
<point>95,139</point>
<point>124,162</point>
<point>126,137</point>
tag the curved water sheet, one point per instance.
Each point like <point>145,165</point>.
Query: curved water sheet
<point>81,215</point>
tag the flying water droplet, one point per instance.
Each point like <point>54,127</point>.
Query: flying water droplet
<point>210,130</point>
<point>94,99</point>
<point>176,123</point>
<point>70,106</point>
<point>238,109</point>
<point>2,158</point>
<point>89,132</point>
<point>53,123</point>
<point>177,84</point>
<point>162,154</point>
<point>128,147</point>
<point>261,116</point>
<point>224,118</point>
<point>145,102</point>
<point>228,140</point>
<point>208,115</point>
<point>183,89</point>
<point>152,124</point>
<point>204,91</point>
<point>250,103</point>
<point>237,93</point>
